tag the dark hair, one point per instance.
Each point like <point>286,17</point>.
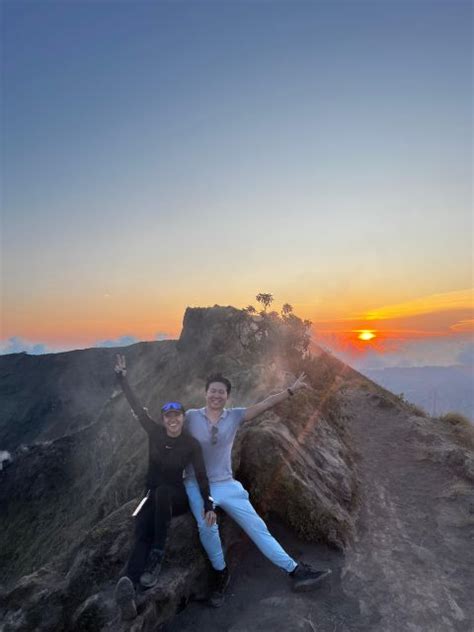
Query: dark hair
<point>218,377</point>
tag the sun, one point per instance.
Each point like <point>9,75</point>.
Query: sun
<point>366,335</point>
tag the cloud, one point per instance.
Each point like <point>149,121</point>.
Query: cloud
<point>162,335</point>
<point>466,355</point>
<point>448,301</point>
<point>464,325</point>
<point>123,341</point>
<point>16,344</point>
<point>434,351</point>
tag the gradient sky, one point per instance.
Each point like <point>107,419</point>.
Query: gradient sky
<point>157,155</point>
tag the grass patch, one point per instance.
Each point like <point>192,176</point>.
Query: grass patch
<point>462,428</point>
<point>456,419</point>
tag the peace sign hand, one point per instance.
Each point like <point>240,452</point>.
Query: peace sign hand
<point>300,383</point>
<point>120,366</point>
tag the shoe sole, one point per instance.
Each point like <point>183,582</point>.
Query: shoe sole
<point>125,598</point>
<point>308,584</point>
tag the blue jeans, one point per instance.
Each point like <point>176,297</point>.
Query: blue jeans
<point>234,500</point>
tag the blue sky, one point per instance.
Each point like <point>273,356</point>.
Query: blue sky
<point>319,150</point>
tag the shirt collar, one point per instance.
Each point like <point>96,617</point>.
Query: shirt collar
<point>224,414</point>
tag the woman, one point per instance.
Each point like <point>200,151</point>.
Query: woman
<point>170,450</point>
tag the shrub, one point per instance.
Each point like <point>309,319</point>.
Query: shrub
<point>456,419</point>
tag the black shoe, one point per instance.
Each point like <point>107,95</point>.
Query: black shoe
<point>305,578</point>
<point>149,576</point>
<point>125,598</point>
<point>221,581</point>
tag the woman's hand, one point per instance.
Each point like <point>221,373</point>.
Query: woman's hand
<point>210,518</point>
<point>120,366</point>
<point>300,383</point>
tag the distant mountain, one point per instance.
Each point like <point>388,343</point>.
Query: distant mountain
<point>437,389</point>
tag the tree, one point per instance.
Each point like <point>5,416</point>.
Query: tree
<point>265,299</point>
<point>250,309</point>
<point>286,310</point>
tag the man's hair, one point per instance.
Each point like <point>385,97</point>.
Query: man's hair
<point>218,377</point>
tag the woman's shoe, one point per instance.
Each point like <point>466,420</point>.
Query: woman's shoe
<point>125,598</point>
<point>149,576</point>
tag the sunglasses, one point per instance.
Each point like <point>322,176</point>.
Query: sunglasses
<point>172,406</point>
<point>214,431</point>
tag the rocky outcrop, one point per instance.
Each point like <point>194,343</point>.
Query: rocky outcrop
<point>65,527</point>
<point>296,467</point>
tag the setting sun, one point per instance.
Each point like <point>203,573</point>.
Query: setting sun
<point>366,335</point>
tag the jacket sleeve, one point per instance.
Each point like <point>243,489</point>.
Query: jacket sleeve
<point>139,412</point>
<point>197,461</point>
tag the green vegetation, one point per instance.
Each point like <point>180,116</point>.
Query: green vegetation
<point>283,333</point>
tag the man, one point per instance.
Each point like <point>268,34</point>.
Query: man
<point>215,427</point>
<point>170,449</point>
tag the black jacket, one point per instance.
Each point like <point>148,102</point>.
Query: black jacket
<point>168,456</point>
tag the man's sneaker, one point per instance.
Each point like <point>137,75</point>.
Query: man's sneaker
<point>306,578</point>
<point>152,569</point>
<point>221,580</point>
<point>125,598</point>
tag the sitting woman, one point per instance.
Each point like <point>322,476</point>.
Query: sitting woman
<point>170,450</point>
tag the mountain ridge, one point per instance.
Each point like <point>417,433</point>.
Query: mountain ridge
<point>82,485</point>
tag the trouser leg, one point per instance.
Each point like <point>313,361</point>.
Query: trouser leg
<point>152,523</point>
<point>234,500</point>
<point>168,501</point>
<point>144,530</point>
<point>162,512</point>
<point>209,536</point>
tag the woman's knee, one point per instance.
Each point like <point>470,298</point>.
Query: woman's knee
<point>162,491</point>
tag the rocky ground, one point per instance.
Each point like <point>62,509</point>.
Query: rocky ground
<point>411,565</point>
<point>349,476</point>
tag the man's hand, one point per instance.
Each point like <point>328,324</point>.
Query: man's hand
<point>300,383</point>
<point>273,400</point>
<point>210,518</point>
<point>120,366</point>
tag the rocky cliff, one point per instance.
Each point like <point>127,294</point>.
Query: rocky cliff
<point>66,501</point>
<point>78,471</point>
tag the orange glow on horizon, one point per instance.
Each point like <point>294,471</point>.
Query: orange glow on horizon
<point>366,335</point>
<point>144,316</point>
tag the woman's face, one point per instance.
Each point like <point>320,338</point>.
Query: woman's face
<point>173,421</point>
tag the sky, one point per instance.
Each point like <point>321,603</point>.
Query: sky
<point>159,155</point>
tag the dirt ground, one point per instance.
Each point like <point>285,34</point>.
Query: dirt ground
<point>411,568</point>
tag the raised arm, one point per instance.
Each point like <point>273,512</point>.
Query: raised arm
<point>140,413</point>
<point>273,400</point>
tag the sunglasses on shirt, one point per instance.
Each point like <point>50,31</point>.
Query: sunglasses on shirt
<point>214,431</point>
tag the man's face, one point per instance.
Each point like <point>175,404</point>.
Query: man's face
<point>173,421</point>
<point>216,396</point>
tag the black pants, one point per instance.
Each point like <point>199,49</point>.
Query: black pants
<point>151,524</point>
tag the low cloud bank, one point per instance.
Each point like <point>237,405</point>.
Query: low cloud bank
<point>413,353</point>
<point>122,341</point>
<point>16,344</point>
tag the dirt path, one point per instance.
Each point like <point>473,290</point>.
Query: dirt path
<point>411,566</point>
<point>413,562</point>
